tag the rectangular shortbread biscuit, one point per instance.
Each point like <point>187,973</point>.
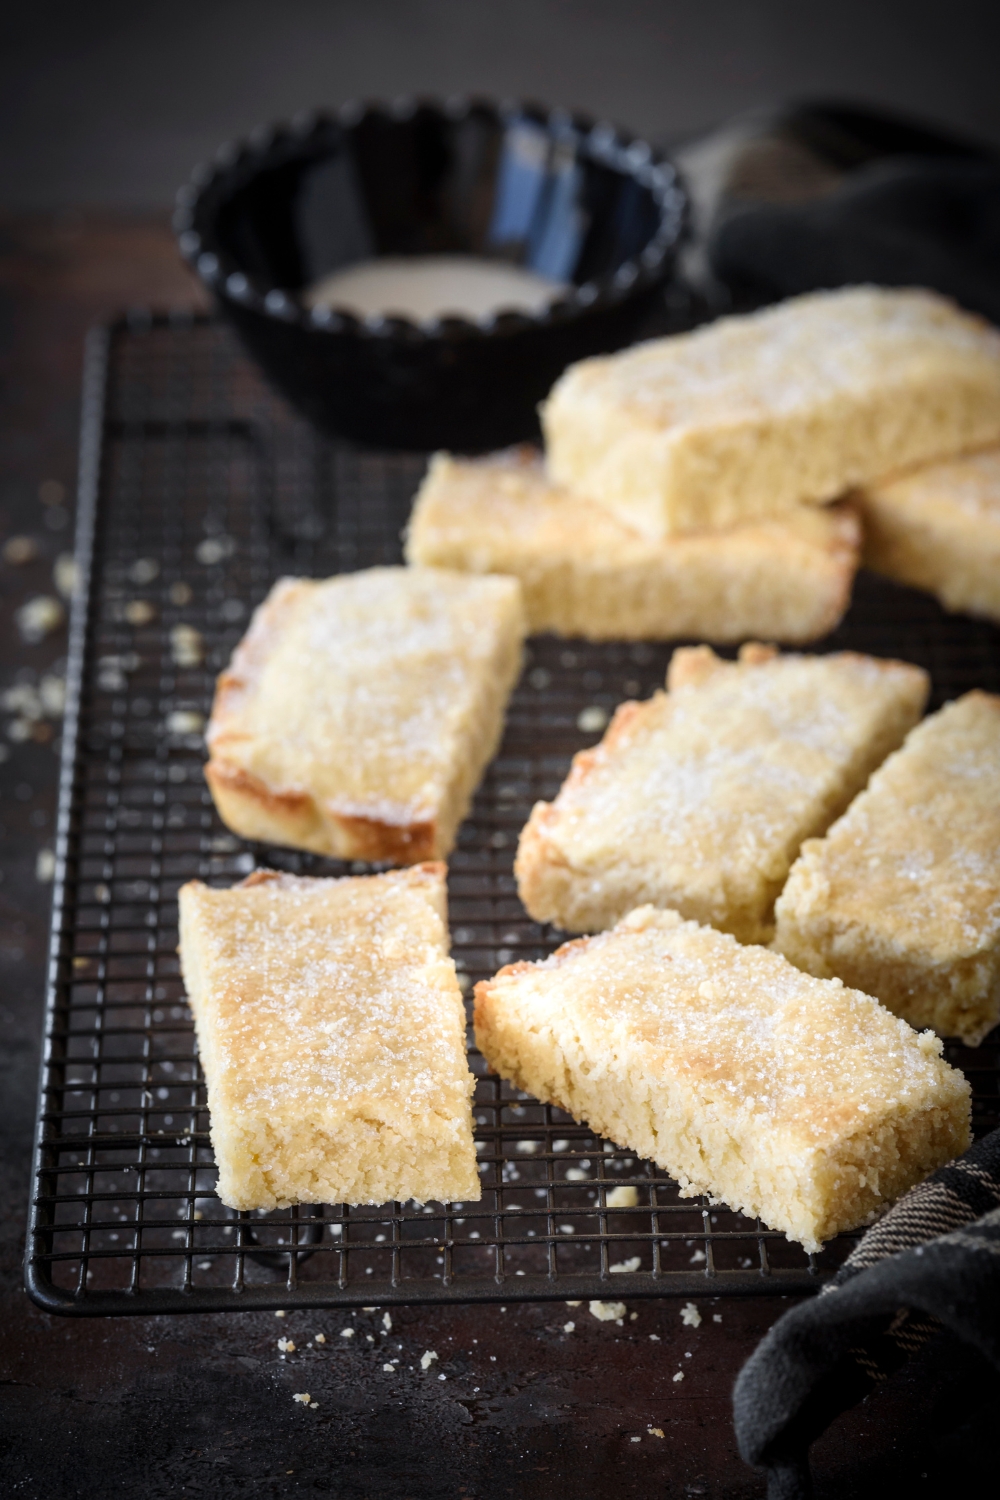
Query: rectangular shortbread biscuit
<point>699,799</point>
<point>755,414</point>
<point>786,1097</point>
<point>902,897</point>
<point>331,1032</point>
<point>938,528</point>
<point>584,573</point>
<point>358,713</point>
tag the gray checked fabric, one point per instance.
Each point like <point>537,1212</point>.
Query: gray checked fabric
<point>932,1263</point>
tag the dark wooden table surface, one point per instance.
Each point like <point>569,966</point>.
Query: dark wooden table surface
<point>202,1405</point>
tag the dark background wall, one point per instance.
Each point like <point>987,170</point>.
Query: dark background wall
<point>110,102</point>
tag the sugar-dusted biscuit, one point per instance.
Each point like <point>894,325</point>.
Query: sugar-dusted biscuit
<point>752,415</point>
<point>938,528</point>
<point>699,799</point>
<point>331,1032</point>
<point>786,1097</point>
<point>583,573</point>
<point>358,713</point>
<point>902,896</point>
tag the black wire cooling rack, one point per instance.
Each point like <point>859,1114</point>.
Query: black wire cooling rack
<point>198,489</point>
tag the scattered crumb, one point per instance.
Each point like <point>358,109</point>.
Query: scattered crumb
<point>678,1376</point>
<point>589,720</point>
<point>286,1346</point>
<point>632,1317</point>
<point>623,1197</point>
<point>303,1397</point>
<point>387,1322</point>
<point>64,574</point>
<point>655,1431</point>
<point>697,1257</point>
<point>20,549</point>
<point>370,1337</point>
<point>347,1333</point>
<point>635,1440</point>
<point>527,1148</point>
<point>185,721</point>
<point>214,548</point>
<point>690,1316</point>
<point>139,612</point>
<point>45,865</point>
<point>560,1145</point>
<point>607,1312</point>
<point>280,1313</point>
<point>187,646</point>
<point>574,1304</point>
<point>574,1174</point>
<point>654,1338</point>
<point>442,1377</point>
<point>24,699</point>
<point>566,1229</point>
<point>52,693</point>
<point>568,1327</point>
<point>369,1309</point>
<point>144,570</point>
<point>319,1338</point>
<point>389,1369</point>
<point>716,1317</point>
<point>628,1266</point>
<point>39,617</point>
<point>427,1358</point>
<point>313,1405</point>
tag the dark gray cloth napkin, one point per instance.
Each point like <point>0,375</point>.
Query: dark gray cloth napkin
<point>819,195</point>
<point>931,1264</point>
<point>911,221</point>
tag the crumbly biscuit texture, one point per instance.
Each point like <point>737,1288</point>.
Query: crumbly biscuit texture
<point>331,1032</point>
<point>785,1097</point>
<point>584,573</point>
<point>902,897</point>
<point>358,713</point>
<point>938,528</point>
<point>752,415</point>
<point>700,798</point>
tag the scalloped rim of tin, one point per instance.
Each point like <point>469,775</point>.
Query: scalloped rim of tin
<point>601,141</point>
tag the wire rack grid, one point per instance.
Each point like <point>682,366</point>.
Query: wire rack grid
<point>198,489</point>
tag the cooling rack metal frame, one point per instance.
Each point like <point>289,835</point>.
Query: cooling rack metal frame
<point>197,489</point>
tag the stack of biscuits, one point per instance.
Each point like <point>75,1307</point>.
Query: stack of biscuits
<point>782,871</point>
<point>712,485</point>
